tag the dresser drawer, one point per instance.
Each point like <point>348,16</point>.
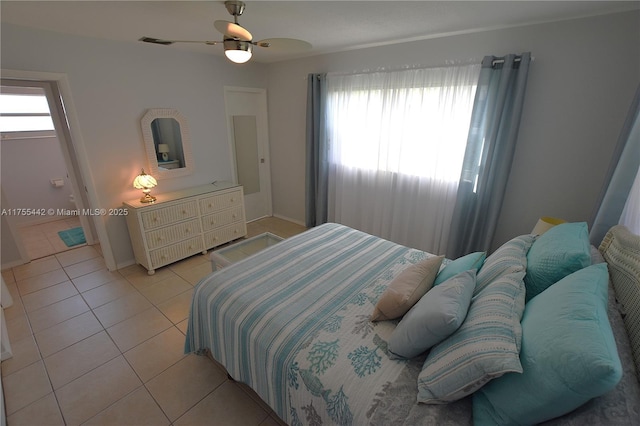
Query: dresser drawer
<point>170,234</point>
<point>169,254</point>
<point>224,234</point>
<point>220,202</point>
<point>168,215</point>
<point>222,218</point>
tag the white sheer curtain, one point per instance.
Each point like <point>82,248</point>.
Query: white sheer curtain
<point>396,146</point>
<point>631,212</point>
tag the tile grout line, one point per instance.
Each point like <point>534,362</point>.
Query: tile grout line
<point>143,384</point>
<point>42,357</point>
<point>197,402</point>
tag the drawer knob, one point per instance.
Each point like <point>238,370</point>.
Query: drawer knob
<point>233,199</point>
<point>234,216</point>
<point>190,247</point>
<point>213,222</point>
<point>160,238</point>
<point>155,218</point>
<point>187,230</point>
<point>184,212</point>
<point>210,205</point>
<point>235,231</point>
<point>163,257</point>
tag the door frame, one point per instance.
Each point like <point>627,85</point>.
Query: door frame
<point>67,128</point>
<point>263,131</point>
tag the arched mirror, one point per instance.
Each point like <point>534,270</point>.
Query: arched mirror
<point>166,138</point>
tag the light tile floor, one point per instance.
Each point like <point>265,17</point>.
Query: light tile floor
<point>42,240</point>
<point>95,347</point>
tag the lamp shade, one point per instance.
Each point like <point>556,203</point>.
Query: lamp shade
<point>238,51</point>
<point>545,223</point>
<point>145,182</point>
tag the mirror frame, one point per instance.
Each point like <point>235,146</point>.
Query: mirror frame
<point>152,156</point>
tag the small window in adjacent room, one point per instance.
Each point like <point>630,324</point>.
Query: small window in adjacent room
<point>24,112</point>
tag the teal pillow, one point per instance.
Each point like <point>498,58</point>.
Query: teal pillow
<point>568,355</point>
<point>486,346</point>
<point>435,317</point>
<point>461,264</point>
<point>557,253</point>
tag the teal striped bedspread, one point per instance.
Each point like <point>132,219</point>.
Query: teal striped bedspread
<point>292,322</point>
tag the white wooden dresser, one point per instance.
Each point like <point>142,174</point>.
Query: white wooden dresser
<point>183,223</point>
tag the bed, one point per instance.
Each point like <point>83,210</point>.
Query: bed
<point>293,323</point>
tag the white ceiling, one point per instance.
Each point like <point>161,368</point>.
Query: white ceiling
<point>330,26</point>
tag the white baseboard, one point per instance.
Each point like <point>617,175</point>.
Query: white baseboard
<point>260,218</point>
<point>125,264</point>
<point>297,222</point>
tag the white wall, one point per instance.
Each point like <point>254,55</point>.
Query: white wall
<point>30,186</point>
<point>112,84</point>
<point>580,87</point>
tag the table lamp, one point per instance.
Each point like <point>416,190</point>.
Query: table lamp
<point>145,182</point>
<point>163,149</point>
<point>545,223</point>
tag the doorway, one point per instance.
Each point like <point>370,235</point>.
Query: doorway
<point>249,144</point>
<point>40,180</point>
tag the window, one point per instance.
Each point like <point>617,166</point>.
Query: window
<point>396,145</point>
<point>415,124</point>
<point>24,110</point>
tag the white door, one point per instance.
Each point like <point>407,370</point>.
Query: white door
<point>249,143</point>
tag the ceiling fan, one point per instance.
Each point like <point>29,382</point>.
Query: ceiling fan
<point>237,41</point>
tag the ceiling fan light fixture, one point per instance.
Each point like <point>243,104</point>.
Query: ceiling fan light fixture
<point>238,51</point>
<point>238,42</point>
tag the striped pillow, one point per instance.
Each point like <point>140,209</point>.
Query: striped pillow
<point>486,346</point>
<point>510,257</point>
<point>569,356</point>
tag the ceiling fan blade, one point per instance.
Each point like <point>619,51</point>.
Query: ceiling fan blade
<point>168,42</point>
<point>233,30</point>
<point>285,44</point>
<point>156,40</point>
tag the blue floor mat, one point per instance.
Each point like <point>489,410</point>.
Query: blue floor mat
<point>73,237</point>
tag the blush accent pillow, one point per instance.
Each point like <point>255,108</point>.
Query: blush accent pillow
<point>562,250</point>
<point>569,355</point>
<point>435,317</point>
<point>461,264</point>
<point>406,289</point>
